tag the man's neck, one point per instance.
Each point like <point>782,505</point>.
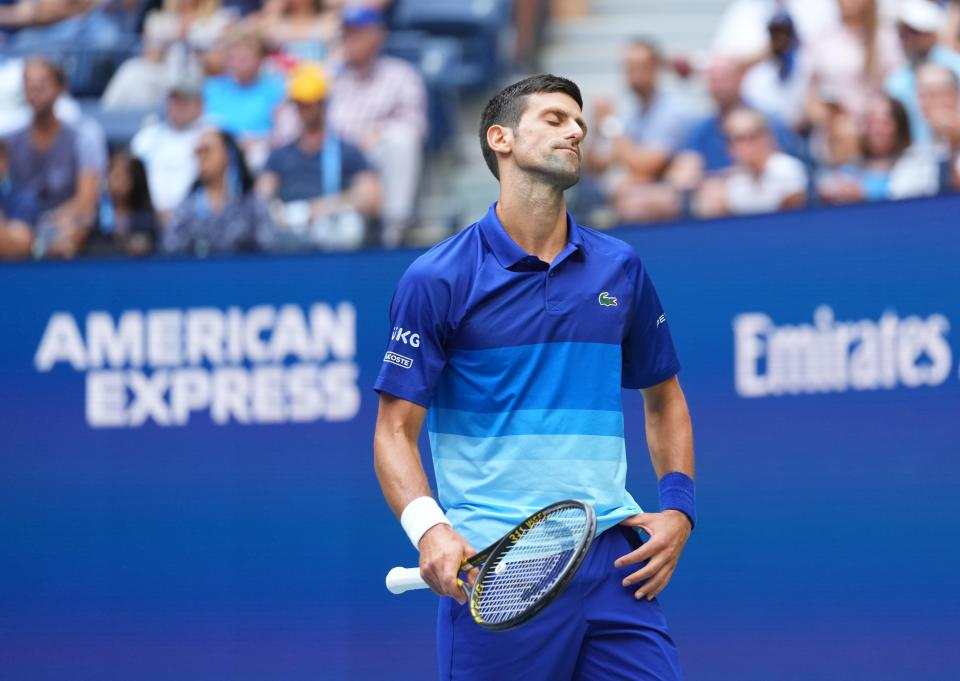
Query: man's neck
<point>646,95</point>
<point>311,140</point>
<point>46,123</point>
<point>535,217</point>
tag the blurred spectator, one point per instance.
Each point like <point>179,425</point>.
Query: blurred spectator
<point>852,59</point>
<point>950,31</point>
<point>323,188</point>
<point>778,84</point>
<point>762,179</point>
<point>301,29</point>
<point>126,224</point>
<point>645,141</point>
<point>18,213</point>
<point>61,164</point>
<point>706,147</point>
<point>34,24</point>
<point>379,105</point>
<point>917,24</point>
<point>888,167</point>
<point>742,31</point>
<point>167,147</point>
<point>176,40</point>
<point>244,100</point>
<point>221,214</point>
<point>938,88</point>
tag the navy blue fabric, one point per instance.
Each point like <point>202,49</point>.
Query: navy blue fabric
<point>678,492</point>
<point>301,175</point>
<point>594,631</point>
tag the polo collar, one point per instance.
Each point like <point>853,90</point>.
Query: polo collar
<point>506,250</point>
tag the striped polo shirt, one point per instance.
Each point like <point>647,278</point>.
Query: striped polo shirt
<point>520,365</point>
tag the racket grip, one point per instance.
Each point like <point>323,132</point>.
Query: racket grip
<point>401,579</point>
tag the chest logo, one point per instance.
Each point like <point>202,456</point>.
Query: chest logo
<point>607,300</point>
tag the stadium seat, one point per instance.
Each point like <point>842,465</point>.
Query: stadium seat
<point>477,25</point>
<point>120,125</point>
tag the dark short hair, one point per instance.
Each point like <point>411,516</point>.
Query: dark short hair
<point>507,107</point>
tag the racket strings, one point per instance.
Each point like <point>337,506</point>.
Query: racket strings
<point>523,573</point>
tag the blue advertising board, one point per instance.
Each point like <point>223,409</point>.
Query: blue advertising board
<point>187,490</point>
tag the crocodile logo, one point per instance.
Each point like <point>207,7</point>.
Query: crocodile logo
<point>607,300</point>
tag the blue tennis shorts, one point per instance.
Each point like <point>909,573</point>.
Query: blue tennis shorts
<point>594,631</point>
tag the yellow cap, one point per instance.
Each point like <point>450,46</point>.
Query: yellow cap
<point>308,83</point>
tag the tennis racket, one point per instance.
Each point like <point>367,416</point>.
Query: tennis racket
<point>520,573</point>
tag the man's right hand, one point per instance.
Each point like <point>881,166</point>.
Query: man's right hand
<point>442,551</point>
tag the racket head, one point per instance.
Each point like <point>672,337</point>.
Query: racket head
<point>532,564</point>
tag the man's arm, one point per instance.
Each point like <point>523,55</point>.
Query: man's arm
<point>670,440</point>
<point>396,459</point>
<point>16,239</point>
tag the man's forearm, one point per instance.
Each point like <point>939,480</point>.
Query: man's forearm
<point>669,432</point>
<point>399,470</point>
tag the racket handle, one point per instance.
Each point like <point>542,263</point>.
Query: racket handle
<point>401,579</point>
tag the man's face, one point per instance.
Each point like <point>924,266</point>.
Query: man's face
<point>547,140</point>
<point>937,92</point>
<point>311,114</point>
<point>183,110</point>
<point>916,44</point>
<point>243,61</point>
<point>748,140</point>
<point>640,66</point>
<point>723,81</point>
<point>361,44</point>
<point>40,88</point>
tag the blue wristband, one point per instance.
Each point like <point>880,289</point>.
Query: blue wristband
<point>678,492</point>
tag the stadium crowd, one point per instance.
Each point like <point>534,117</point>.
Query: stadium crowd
<point>282,125</point>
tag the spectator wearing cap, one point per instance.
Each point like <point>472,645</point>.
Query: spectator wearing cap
<point>761,180</point>
<point>778,84</point>
<point>244,100</point>
<point>221,214</point>
<point>62,164</point>
<point>321,187</point>
<point>918,22</point>
<point>379,105</point>
<point>167,147</point>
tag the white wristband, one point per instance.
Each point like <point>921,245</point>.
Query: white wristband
<point>419,516</point>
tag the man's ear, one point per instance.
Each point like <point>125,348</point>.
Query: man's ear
<point>500,138</point>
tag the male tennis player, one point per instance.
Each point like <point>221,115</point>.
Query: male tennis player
<point>517,335</point>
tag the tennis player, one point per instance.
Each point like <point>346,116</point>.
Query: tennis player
<point>514,340</point>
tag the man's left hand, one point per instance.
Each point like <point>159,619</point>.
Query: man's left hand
<point>668,532</point>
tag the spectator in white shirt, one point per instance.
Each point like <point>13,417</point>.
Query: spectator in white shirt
<point>167,147</point>
<point>762,179</point>
<point>379,105</point>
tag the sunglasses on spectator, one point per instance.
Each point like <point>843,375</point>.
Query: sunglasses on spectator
<point>747,136</point>
<point>203,150</point>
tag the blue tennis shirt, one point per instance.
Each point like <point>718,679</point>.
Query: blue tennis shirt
<point>520,365</point>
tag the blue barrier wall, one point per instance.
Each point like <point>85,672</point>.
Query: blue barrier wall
<point>186,486</point>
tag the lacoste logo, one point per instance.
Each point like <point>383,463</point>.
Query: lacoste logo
<point>399,360</point>
<point>607,300</point>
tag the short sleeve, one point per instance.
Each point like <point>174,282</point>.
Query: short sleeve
<point>415,355</point>
<point>649,357</point>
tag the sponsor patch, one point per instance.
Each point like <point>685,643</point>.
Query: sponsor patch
<point>399,360</point>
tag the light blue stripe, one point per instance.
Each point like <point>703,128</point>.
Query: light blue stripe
<point>569,449</point>
<point>527,422</point>
<point>484,499</point>
<point>540,376</point>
